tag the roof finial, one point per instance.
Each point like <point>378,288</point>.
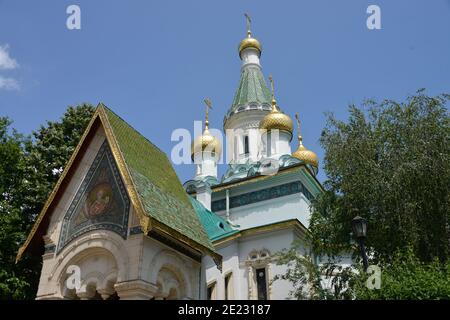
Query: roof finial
<point>249,22</point>
<point>208,106</point>
<point>272,86</point>
<point>298,129</point>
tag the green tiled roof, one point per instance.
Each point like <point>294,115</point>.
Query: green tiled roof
<point>216,227</point>
<point>159,189</point>
<point>252,88</point>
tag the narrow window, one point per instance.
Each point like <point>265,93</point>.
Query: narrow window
<point>246,146</point>
<point>269,145</point>
<point>228,287</point>
<point>261,283</point>
<point>211,293</point>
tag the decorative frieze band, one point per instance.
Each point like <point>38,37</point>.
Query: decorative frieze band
<point>262,195</point>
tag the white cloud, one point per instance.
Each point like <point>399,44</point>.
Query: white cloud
<point>9,84</point>
<point>6,62</point>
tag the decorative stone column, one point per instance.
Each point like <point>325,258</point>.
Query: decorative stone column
<point>135,290</point>
<point>250,282</point>
<point>85,295</point>
<point>105,293</point>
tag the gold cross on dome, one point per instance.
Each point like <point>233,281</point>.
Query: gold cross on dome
<point>249,22</point>
<point>272,86</point>
<point>208,103</point>
<point>298,122</point>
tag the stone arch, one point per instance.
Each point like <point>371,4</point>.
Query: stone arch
<point>104,245</point>
<point>169,270</point>
<point>97,272</point>
<point>173,286</point>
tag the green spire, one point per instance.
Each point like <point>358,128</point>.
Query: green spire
<point>252,88</point>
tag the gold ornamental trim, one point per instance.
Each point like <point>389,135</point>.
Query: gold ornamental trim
<point>255,179</point>
<point>263,229</point>
<point>144,220</point>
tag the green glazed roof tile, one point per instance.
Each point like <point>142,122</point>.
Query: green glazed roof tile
<point>216,227</point>
<point>156,183</point>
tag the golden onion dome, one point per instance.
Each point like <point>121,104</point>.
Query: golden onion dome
<point>276,120</point>
<point>306,155</point>
<point>250,42</point>
<point>206,142</point>
<point>302,153</point>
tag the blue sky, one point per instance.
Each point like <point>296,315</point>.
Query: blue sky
<point>153,62</point>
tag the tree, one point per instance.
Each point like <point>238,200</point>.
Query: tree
<point>310,279</point>
<point>390,162</point>
<point>13,284</point>
<point>52,146</point>
<point>29,169</point>
<point>405,277</point>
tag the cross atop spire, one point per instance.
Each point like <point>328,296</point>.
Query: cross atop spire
<point>272,87</point>
<point>298,129</point>
<point>208,104</point>
<point>249,22</point>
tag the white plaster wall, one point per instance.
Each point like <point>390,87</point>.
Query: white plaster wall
<point>237,126</point>
<point>295,206</point>
<point>206,164</point>
<point>230,263</point>
<point>236,253</point>
<point>279,144</point>
<point>250,56</point>
<point>284,143</point>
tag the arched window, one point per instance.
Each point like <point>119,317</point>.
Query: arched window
<point>246,145</point>
<point>229,290</point>
<point>259,265</point>
<point>211,291</point>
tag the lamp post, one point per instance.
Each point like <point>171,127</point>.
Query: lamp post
<point>359,227</point>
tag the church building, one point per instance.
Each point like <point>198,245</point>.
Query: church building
<point>119,224</point>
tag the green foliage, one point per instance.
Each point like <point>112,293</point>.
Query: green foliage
<point>390,162</point>
<point>311,280</point>
<point>27,176</point>
<point>405,277</point>
<point>302,272</point>
<point>13,283</point>
<point>52,146</point>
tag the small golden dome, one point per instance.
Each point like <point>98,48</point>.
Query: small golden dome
<point>276,120</point>
<point>306,155</point>
<point>206,142</point>
<point>302,153</point>
<point>250,42</point>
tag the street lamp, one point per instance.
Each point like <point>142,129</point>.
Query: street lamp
<point>359,227</point>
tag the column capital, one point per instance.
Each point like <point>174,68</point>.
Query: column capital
<point>135,290</point>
